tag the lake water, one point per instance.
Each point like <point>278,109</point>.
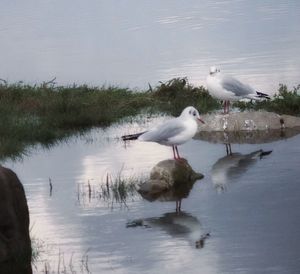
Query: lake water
<point>250,207</point>
<point>133,43</point>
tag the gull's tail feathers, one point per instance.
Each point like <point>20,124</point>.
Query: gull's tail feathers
<point>262,95</point>
<point>132,136</point>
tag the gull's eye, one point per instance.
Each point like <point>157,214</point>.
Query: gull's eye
<point>194,113</point>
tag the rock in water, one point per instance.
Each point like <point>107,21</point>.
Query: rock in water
<point>169,180</point>
<point>247,127</point>
<point>15,244</point>
<point>248,121</point>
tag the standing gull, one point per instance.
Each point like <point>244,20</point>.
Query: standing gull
<point>173,132</point>
<point>228,89</point>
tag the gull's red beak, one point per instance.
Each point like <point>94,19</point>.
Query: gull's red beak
<point>199,119</point>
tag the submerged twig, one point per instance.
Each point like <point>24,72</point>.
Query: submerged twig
<point>84,262</point>
<point>50,187</point>
<point>89,191</point>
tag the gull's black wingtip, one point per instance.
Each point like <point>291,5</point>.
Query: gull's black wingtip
<point>131,136</point>
<point>263,95</point>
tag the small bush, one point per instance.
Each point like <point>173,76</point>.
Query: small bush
<point>285,102</point>
<point>177,94</point>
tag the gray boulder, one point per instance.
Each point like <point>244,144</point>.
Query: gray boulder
<point>246,137</point>
<point>248,120</point>
<point>170,180</point>
<point>15,244</point>
<point>247,127</point>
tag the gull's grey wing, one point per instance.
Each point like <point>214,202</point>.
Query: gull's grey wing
<point>235,86</point>
<point>163,132</point>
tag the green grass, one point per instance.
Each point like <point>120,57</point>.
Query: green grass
<point>73,263</point>
<point>285,102</point>
<point>46,113</point>
<point>116,190</point>
<point>30,114</point>
<point>173,96</point>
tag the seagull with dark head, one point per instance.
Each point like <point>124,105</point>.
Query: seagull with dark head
<point>227,88</point>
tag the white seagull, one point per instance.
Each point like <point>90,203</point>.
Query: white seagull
<point>173,132</point>
<point>228,89</point>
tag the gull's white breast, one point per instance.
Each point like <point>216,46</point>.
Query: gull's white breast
<point>187,134</point>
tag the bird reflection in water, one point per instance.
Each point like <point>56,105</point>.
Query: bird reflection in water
<point>231,167</point>
<point>170,180</point>
<point>180,225</point>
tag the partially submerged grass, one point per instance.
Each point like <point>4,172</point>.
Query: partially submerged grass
<point>37,247</point>
<point>62,264</point>
<point>115,190</point>
<point>66,266</point>
<point>41,263</point>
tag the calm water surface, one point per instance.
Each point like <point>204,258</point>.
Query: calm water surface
<point>250,208</point>
<point>139,42</point>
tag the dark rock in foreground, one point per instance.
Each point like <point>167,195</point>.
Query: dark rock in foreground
<point>15,245</point>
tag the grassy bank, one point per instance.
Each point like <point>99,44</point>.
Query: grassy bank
<point>47,113</point>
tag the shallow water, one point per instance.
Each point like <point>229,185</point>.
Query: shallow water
<point>250,208</point>
<point>139,42</point>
